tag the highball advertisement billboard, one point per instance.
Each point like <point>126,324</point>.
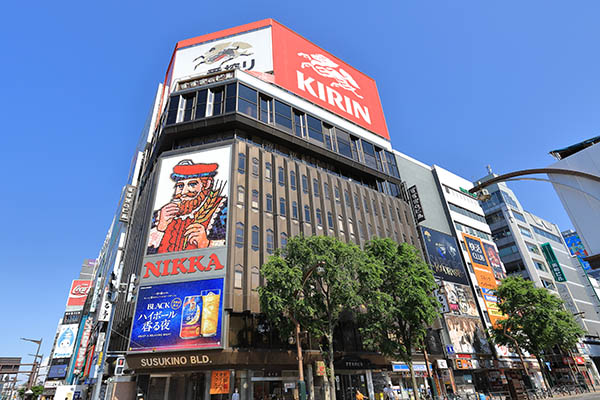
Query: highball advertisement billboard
<point>186,256</point>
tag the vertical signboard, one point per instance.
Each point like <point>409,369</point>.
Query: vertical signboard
<point>559,275</point>
<point>415,202</point>
<point>180,299</point>
<point>491,303</point>
<point>495,262</point>
<point>444,257</point>
<point>481,267</point>
<point>66,340</point>
<point>85,338</point>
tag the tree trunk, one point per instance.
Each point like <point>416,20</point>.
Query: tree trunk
<point>543,369</point>
<point>331,370</point>
<point>414,380</point>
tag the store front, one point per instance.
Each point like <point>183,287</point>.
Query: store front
<point>401,380</point>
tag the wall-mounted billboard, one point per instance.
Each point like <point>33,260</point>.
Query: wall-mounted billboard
<point>66,341</point>
<point>444,257</point>
<point>495,262</point>
<point>481,267</point>
<point>460,299</point>
<point>491,303</point>
<point>178,316</point>
<point>269,49</point>
<point>57,371</point>
<point>467,334</point>
<point>78,294</point>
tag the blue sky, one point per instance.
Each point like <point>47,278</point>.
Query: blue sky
<point>464,84</point>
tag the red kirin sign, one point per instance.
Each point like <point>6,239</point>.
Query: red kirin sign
<point>79,292</point>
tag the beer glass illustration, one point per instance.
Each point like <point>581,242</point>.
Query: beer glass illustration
<point>211,300</point>
<point>191,315</point>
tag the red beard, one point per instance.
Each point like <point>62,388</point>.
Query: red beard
<point>187,206</point>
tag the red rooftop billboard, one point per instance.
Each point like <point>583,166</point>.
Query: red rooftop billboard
<point>295,63</point>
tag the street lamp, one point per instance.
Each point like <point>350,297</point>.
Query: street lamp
<point>33,373</point>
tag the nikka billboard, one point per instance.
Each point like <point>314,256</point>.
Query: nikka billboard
<point>180,298</point>
<point>275,53</point>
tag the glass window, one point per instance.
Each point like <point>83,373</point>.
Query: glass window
<point>247,101</point>
<point>268,172</point>
<point>343,143</point>
<point>270,241</point>
<point>540,265</point>
<point>283,237</point>
<point>255,237</point>
<point>319,217</point>
<point>519,216</point>
<point>383,211</point>
<point>239,234</point>
<point>304,183</point>
<point>351,226</point>
<point>392,214</point>
<point>548,284</point>
<point>282,206</point>
<point>327,135</point>
<point>525,232</point>
<point>369,153</point>
<point>241,194</point>
<point>269,203</point>
<point>255,199</point>
<point>293,180</point>
<point>231,91</point>
<point>217,97</point>
<point>173,107</point>
<point>283,115</point>
<point>547,235</point>
<point>299,124</point>
<point>294,210</point>
<point>255,278</point>
<point>326,190</point>
<point>315,130</point>
<point>392,167</point>
<point>201,101</point>
<point>356,201</point>
<point>507,250</point>
<point>188,108</point>
<point>341,223</point>
<point>532,248</point>
<point>466,212</point>
<point>347,198</point>
<point>241,163</point>
<point>281,176</point>
<point>366,203</point>
<point>329,220</point>
<point>255,167</point>
<point>361,228</point>
<point>336,191</point>
<point>306,214</point>
<point>375,211</point>
<point>266,109</point>
<point>316,190</point>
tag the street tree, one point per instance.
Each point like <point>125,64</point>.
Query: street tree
<point>401,308</point>
<point>536,320</point>
<point>312,281</point>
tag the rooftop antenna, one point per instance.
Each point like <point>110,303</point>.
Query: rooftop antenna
<point>489,169</point>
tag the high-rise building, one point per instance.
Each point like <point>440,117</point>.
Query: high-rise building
<point>257,135</point>
<point>534,248</point>
<point>580,195</point>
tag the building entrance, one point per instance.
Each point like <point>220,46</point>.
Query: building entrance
<point>347,386</point>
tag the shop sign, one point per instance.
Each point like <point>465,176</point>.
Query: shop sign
<point>170,361</point>
<point>219,382</point>
<point>557,271</point>
<point>415,202</point>
<point>450,349</point>
<point>127,203</point>
<point>320,368</point>
<point>351,363</point>
<point>579,360</point>
<point>403,367</point>
<point>442,364</point>
<point>463,364</point>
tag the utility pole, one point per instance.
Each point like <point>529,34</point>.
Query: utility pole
<point>31,381</point>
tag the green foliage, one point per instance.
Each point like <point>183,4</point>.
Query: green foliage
<point>535,318</point>
<point>402,306</point>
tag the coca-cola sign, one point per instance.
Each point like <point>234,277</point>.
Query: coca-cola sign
<point>79,292</point>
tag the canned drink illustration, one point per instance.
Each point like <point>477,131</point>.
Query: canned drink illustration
<point>191,317</point>
<point>211,300</point>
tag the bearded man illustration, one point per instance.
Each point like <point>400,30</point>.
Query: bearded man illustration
<point>196,216</point>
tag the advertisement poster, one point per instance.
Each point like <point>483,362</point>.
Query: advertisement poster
<point>190,205</point>
<point>491,303</point>
<point>467,334</point>
<point>66,340</point>
<point>85,338</point>
<point>577,249</point>
<point>483,271</point>
<point>460,299</point>
<point>78,293</point>
<point>495,262</point>
<point>178,316</point>
<point>219,382</point>
<point>444,257</point>
<point>57,371</point>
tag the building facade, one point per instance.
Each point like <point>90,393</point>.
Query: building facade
<point>257,135</point>
<point>534,248</point>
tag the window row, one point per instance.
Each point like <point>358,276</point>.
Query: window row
<point>255,238</point>
<point>467,213</point>
<point>222,99</point>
